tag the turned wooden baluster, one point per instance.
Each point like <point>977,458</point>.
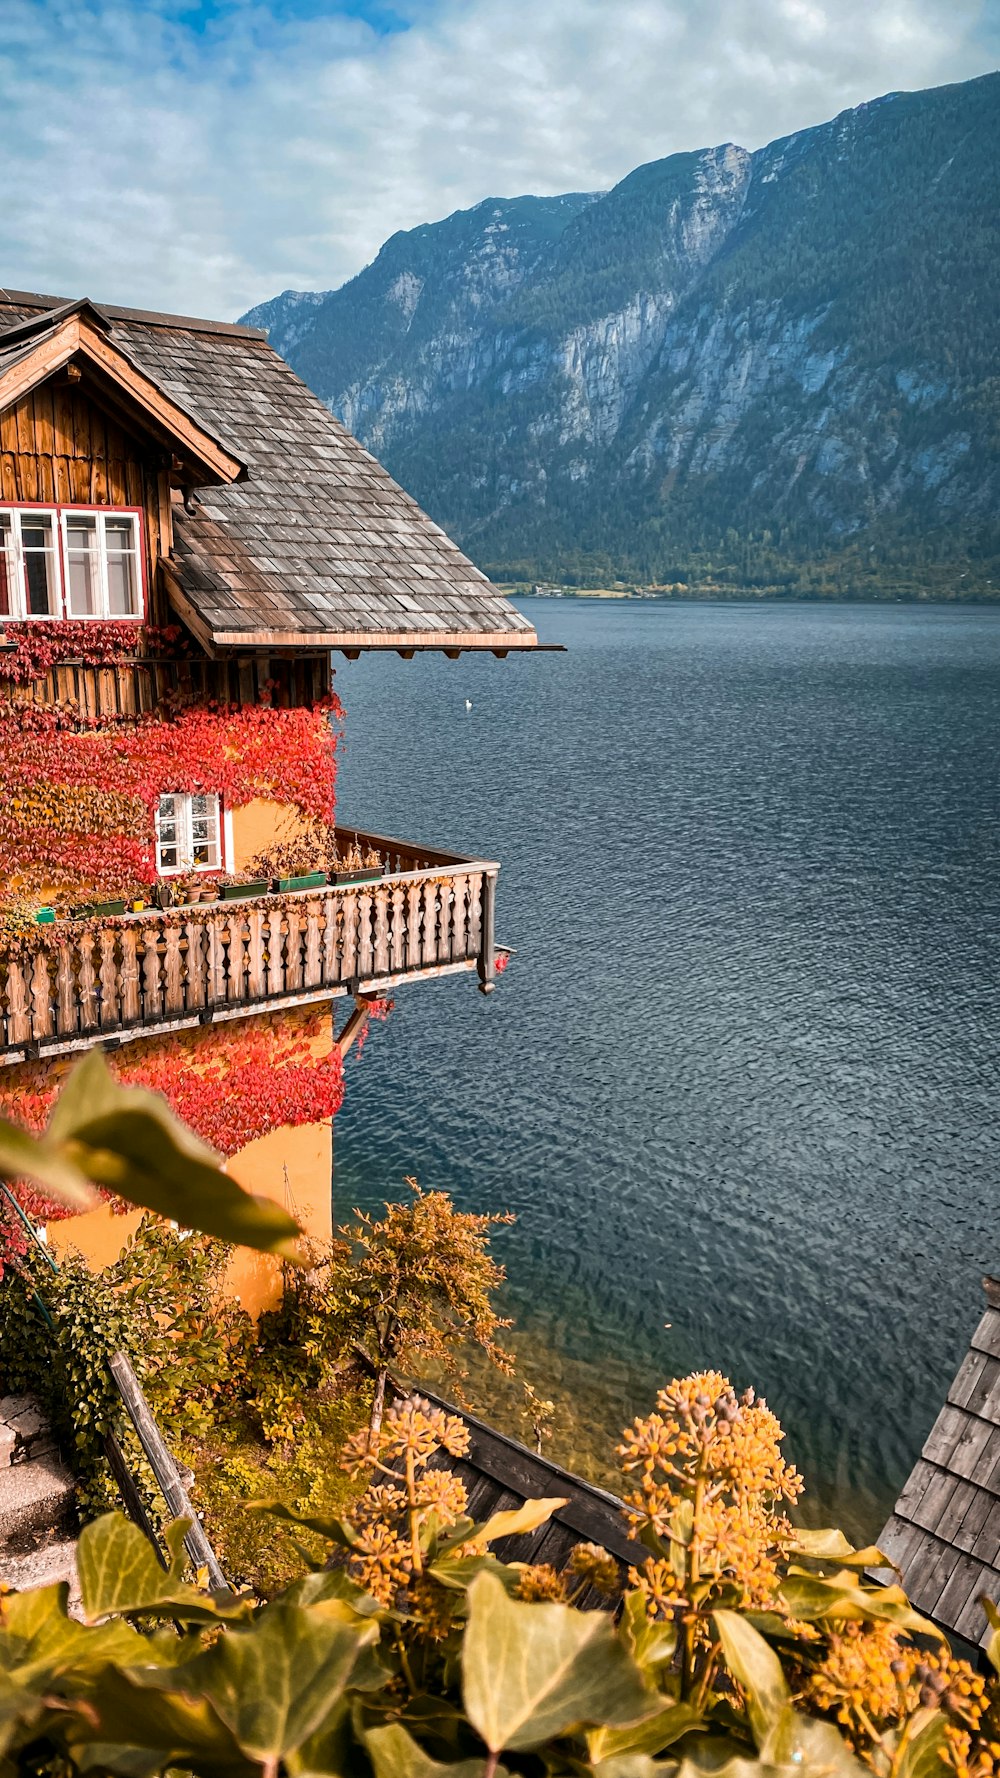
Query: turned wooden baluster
<point>151,1000</point>
<point>331,948</point>
<point>313,943</point>
<point>18,1004</point>
<point>41,1001</point>
<point>131,1004</point>
<point>65,991</point>
<point>397,939</point>
<point>475,914</point>
<point>87,983</point>
<point>381,950</point>
<point>349,966</point>
<point>197,967</point>
<point>428,945</point>
<point>173,975</point>
<point>215,985</point>
<point>293,952</point>
<point>108,975</point>
<point>237,955</point>
<point>365,949</point>
<point>411,956</point>
<point>255,954</point>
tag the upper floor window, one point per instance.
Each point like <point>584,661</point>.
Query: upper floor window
<point>69,562</point>
<point>188,833</point>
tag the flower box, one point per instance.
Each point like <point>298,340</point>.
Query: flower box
<point>97,910</point>
<point>313,879</point>
<point>345,877</point>
<point>45,916</point>
<point>239,891</point>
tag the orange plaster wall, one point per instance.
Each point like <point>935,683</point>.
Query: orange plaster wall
<point>291,1165</point>
<point>261,824</point>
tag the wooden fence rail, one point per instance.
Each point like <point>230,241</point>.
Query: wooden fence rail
<point>183,966</point>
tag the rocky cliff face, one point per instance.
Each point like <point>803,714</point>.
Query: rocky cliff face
<point>781,367</point>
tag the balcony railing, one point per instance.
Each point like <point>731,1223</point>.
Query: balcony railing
<point>86,980</point>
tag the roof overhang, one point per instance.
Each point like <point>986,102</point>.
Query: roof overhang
<point>80,335</point>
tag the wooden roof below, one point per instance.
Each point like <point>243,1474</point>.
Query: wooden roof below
<point>499,1474</point>
<point>944,1535</point>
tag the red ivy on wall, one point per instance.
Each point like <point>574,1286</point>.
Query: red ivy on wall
<point>60,787</point>
<point>230,1083</point>
<point>29,650</point>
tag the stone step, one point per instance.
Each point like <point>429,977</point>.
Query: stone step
<point>44,1567</point>
<point>36,1502</point>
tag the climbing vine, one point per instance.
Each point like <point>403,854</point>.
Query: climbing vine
<point>32,649</point>
<point>230,1083</point>
<point>77,805</point>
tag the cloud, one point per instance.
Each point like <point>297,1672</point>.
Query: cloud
<point>206,156</point>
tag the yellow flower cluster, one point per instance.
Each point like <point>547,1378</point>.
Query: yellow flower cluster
<point>393,1514</point>
<point>708,1477</point>
<point>870,1680</point>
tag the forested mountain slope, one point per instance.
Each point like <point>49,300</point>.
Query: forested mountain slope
<point>778,369</point>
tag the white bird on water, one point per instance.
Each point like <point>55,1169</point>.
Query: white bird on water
<point>468,703</point>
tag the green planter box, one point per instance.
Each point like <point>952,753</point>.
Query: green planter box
<point>45,917</point>
<point>343,878</point>
<point>239,891</point>
<point>96,910</point>
<point>313,879</point>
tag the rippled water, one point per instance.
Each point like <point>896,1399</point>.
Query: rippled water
<point>741,1076</point>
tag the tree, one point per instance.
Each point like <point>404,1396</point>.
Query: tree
<point>418,1283</point>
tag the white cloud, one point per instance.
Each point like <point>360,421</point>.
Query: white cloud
<point>148,163</point>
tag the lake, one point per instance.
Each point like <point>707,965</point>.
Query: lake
<point>741,1075</point>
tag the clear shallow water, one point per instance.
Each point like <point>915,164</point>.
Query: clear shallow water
<point>742,1074</point>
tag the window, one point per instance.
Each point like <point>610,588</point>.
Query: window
<point>69,562</point>
<point>188,834</point>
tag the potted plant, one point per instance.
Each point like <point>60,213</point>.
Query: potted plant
<point>297,865</point>
<point>240,884</point>
<point>98,910</point>
<point>355,865</point>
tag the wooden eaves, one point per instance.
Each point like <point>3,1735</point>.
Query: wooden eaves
<point>38,351</point>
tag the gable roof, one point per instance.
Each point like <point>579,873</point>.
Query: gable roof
<point>318,547</point>
<point>34,348</point>
<point>944,1535</point>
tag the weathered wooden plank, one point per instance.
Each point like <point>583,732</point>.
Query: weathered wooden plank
<point>195,965</point>
<point>131,1003</point>
<point>66,995</point>
<point>19,1028</point>
<point>173,975</point>
<point>366,949</point>
<point>294,969</point>
<point>152,1001</point>
<point>987,1335</point>
<point>87,983</point>
<point>255,954</point>
<point>380,949</point>
<point>41,1003</point>
<point>313,953</point>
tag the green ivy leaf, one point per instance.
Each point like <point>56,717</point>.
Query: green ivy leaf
<point>128,1140</point>
<point>335,1530</point>
<point>923,1755</point>
<point>797,1743</point>
<point>830,1545</point>
<point>512,1523</point>
<point>275,1682</point>
<point>119,1573</point>
<point>531,1672</point>
<point>134,1713</point>
<point>39,1641</point>
<point>756,1666</point>
<point>395,1754</point>
<point>811,1597</point>
<point>651,1736</point>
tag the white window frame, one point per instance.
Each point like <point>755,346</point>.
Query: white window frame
<point>61,516</point>
<point>185,834</point>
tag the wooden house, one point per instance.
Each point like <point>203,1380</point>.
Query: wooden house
<point>187,536</point>
<point>944,1535</point>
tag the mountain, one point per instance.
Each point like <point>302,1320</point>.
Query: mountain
<point>777,370</point>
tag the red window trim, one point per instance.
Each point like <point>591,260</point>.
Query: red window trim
<point>58,508</point>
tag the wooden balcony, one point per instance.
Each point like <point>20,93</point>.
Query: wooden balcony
<point>114,979</point>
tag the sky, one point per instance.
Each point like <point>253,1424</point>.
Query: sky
<point>203,155</point>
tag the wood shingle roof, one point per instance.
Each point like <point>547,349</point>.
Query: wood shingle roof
<point>318,547</point>
<point>944,1535</point>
